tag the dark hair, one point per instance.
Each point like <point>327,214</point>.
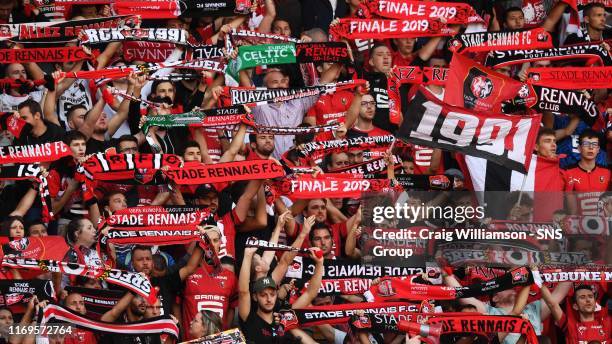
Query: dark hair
<point>512,9</point>
<point>376,46</point>
<point>190,144</point>
<point>156,83</point>
<point>586,11</point>
<point>35,223</point>
<point>5,229</point>
<point>107,196</point>
<point>124,138</point>
<point>304,138</point>
<point>327,161</point>
<point>141,248</point>
<point>318,226</point>
<point>544,132</point>
<point>581,287</point>
<point>159,262</point>
<point>72,229</point>
<point>73,135</point>
<point>31,104</point>
<point>588,133</point>
<point>74,108</point>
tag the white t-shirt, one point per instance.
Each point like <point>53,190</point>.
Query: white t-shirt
<point>9,103</point>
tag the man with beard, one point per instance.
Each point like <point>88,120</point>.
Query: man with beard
<point>259,324</point>
<point>585,323</point>
<point>130,308</point>
<point>261,146</point>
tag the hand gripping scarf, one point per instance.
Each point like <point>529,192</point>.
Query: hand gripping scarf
<point>43,152</point>
<point>351,28</point>
<point>593,53</point>
<point>218,117</point>
<point>233,336</point>
<point>454,13</point>
<point>62,54</point>
<point>503,40</point>
<point>31,172</point>
<point>404,288</point>
<point>158,325</point>
<point>260,96</point>
<point>14,124</point>
<point>157,217</point>
<point>483,324</point>
<point>571,78</point>
<point>132,281</point>
<point>198,173</point>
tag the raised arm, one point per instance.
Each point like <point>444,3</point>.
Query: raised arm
<point>244,279</point>
<point>554,307</point>
<point>266,23</point>
<point>118,309</point>
<point>92,117</point>
<point>244,203</point>
<point>287,258</point>
<point>315,282</point>
<point>451,281</point>
<point>553,16</point>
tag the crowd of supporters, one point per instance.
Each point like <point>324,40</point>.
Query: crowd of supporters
<point>249,286</point>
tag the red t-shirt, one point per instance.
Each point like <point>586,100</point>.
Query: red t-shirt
<point>589,186</point>
<point>583,332</point>
<point>205,292</point>
<point>331,107</point>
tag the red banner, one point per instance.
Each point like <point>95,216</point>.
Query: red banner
<point>198,173</point>
<point>50,151</point>
<point>63,54</point>
<point>454,13</point>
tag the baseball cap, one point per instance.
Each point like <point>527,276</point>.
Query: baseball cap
<point>263,283</point>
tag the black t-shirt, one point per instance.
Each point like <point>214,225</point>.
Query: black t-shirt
<point>97,146</point>
<point>53,133</point>
<point>169,285</point>
<point>256,330</point>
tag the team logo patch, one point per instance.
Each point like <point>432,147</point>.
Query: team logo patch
<point>481,87</point>
<point>19,245</point>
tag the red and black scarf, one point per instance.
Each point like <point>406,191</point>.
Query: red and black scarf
<point>198,173</point>
<point>159,325</point>
<point>571,78</point>
<point>454,13</point>
<point>60,54</point>
<point>43,152</point>
<point>14,124</point>
<point>502,40</point>
<point>97,301</point>
<point>351,28</point>
<point>593,53</point>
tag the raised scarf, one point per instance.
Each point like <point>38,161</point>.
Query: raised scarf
<point>364,142</point>
<point>368,167</point>
<point>43,152</point>
<point>217,117</point>
<point>270,246</point>
<point>332,185</point>
<point>107,35</point>
<point>167,9</point>
<point>512,256</point>
<point>157,217</point>
<point>14,124</point>
<point>132,281</point>
<point>97,301</point>
<point>147,51</point>
<point>205,52</point>
<point>404,288</point>
<point>65,31</point>
<point>198,173</point>
<point>247,37</point>
<point>593,53</point>
<point>31,172</point>
<point>101,165</point>
<point>59,54</point>
<point>351,28</point>
<point>484,324</point>
<point>21,291</point>
<point>453,12</point>
<point>50,247</point>
<point>537,38</point>
<point>303,268</point>
<point>261,96</point>
<point>159,325</point>
<point>571,78</point>
<point>340,314</point>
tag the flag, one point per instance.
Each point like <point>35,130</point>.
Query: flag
<point>476,87</point>
<point>507,140</point>
<point>544,176</point>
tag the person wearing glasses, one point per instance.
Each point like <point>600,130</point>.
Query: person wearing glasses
<point>587,179</point>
